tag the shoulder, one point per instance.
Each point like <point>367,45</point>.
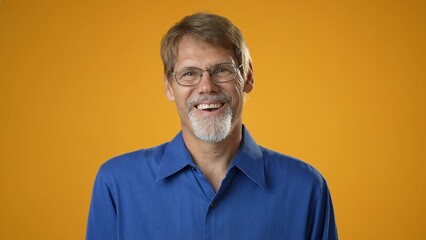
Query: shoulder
<point>140,161</point>
<point>294,172</point>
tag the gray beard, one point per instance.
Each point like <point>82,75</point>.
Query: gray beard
<point>212,129</point>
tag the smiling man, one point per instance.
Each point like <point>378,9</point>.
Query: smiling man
<point>212,181</point>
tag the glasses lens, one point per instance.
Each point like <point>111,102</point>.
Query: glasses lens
<point>224,72</point>
<point>188,76</point>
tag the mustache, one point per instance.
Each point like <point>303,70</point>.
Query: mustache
<point>220,97</point>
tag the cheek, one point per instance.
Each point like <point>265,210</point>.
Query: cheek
<point>181,99</point>
<point>237,96</point>
<point>240,85</point>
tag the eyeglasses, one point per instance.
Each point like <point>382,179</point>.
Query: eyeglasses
<point>220,73</point>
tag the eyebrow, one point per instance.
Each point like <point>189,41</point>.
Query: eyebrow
<point>206,68</point>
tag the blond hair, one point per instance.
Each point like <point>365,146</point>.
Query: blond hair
<point>211,28</point>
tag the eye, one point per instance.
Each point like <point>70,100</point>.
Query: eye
<point>222,71</point>
<point>187,73</point>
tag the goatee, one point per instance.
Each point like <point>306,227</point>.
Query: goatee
<point>211,129</point>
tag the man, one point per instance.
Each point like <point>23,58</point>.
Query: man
<point>212,181</point>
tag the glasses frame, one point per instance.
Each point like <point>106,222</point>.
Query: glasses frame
<point>209,70</point>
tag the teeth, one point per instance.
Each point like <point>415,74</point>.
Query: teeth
<point>208,106</point>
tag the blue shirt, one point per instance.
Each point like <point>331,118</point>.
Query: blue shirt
<point>159,193</point>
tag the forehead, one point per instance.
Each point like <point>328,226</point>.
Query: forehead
<point>193,50</point>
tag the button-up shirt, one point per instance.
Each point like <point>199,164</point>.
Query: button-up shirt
<point>159,193</point>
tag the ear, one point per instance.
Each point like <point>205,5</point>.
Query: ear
<point>249,81</point>
<point>169,90</point>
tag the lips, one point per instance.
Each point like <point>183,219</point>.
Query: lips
<point>209,107</point>
<point>208,102</point>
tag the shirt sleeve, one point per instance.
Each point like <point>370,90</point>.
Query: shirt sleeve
<point>322,219</point>
<point>102,221</point>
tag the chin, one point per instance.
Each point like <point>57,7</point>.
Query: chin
<point>212,129</point>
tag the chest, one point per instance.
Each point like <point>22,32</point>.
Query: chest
<point>187,207</point>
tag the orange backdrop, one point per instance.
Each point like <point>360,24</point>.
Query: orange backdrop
<point>339,84</point>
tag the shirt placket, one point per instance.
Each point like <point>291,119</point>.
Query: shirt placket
<point>212,201</point>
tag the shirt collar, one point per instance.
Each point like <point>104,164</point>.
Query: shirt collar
<point>249,159</point>
<point>175,158</point>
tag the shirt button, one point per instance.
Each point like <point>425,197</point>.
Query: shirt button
<point>193,168</point>
<point>213,204</point>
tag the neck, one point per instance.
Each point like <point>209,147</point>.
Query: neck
<point>213,159</point>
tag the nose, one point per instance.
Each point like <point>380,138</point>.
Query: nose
<point>207,84</point>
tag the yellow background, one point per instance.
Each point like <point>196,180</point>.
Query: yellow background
<point>339,84</point>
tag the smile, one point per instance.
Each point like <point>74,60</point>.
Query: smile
<point>209,107</point>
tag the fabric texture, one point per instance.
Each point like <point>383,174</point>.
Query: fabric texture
<point>159,193</point>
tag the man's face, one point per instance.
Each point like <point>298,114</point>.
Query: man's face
<point>208,110</point>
